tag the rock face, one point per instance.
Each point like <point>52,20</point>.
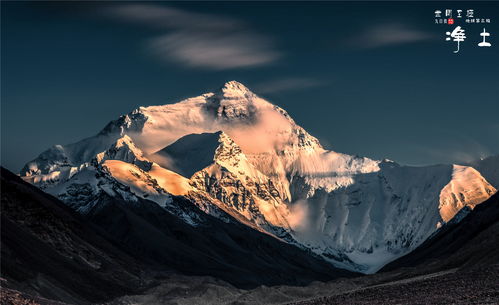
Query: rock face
<point>234,153</point>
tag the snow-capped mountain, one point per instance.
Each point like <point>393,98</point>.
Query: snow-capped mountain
<point>234,153</point>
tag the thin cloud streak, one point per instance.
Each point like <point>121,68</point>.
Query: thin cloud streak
<point>467,151</point>
<point>386,35</point>
<point>200,40</point>
<point>164,17</point>
<point>288,84</point>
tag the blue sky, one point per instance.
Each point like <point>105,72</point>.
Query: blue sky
<point>375,79</point>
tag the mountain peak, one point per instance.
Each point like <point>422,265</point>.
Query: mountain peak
<point>235,85</point>
<point>234,89</point>
<point>228,150</point>
<point>124,149</point>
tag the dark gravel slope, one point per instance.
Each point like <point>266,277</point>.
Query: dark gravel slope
<point>478,286</point>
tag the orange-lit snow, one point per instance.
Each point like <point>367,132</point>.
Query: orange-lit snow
<point>172,182</point>
<point>467,188</point>
<point>140,183</point>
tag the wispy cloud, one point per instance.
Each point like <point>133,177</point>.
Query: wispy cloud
<point>165,17</point>
<point>214,50</point>
<point>288,84</point>
<point>384,35</point>
<point>464,151</point>
<point>200,40</point>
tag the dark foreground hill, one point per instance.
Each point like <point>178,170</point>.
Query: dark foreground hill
<point>50,251</point>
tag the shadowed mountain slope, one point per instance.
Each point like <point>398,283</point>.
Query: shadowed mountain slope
<point>231,251</point>
<point>49,250</point>
<point>188,154</point>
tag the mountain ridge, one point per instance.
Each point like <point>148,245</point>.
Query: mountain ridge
<point>355,212</point>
